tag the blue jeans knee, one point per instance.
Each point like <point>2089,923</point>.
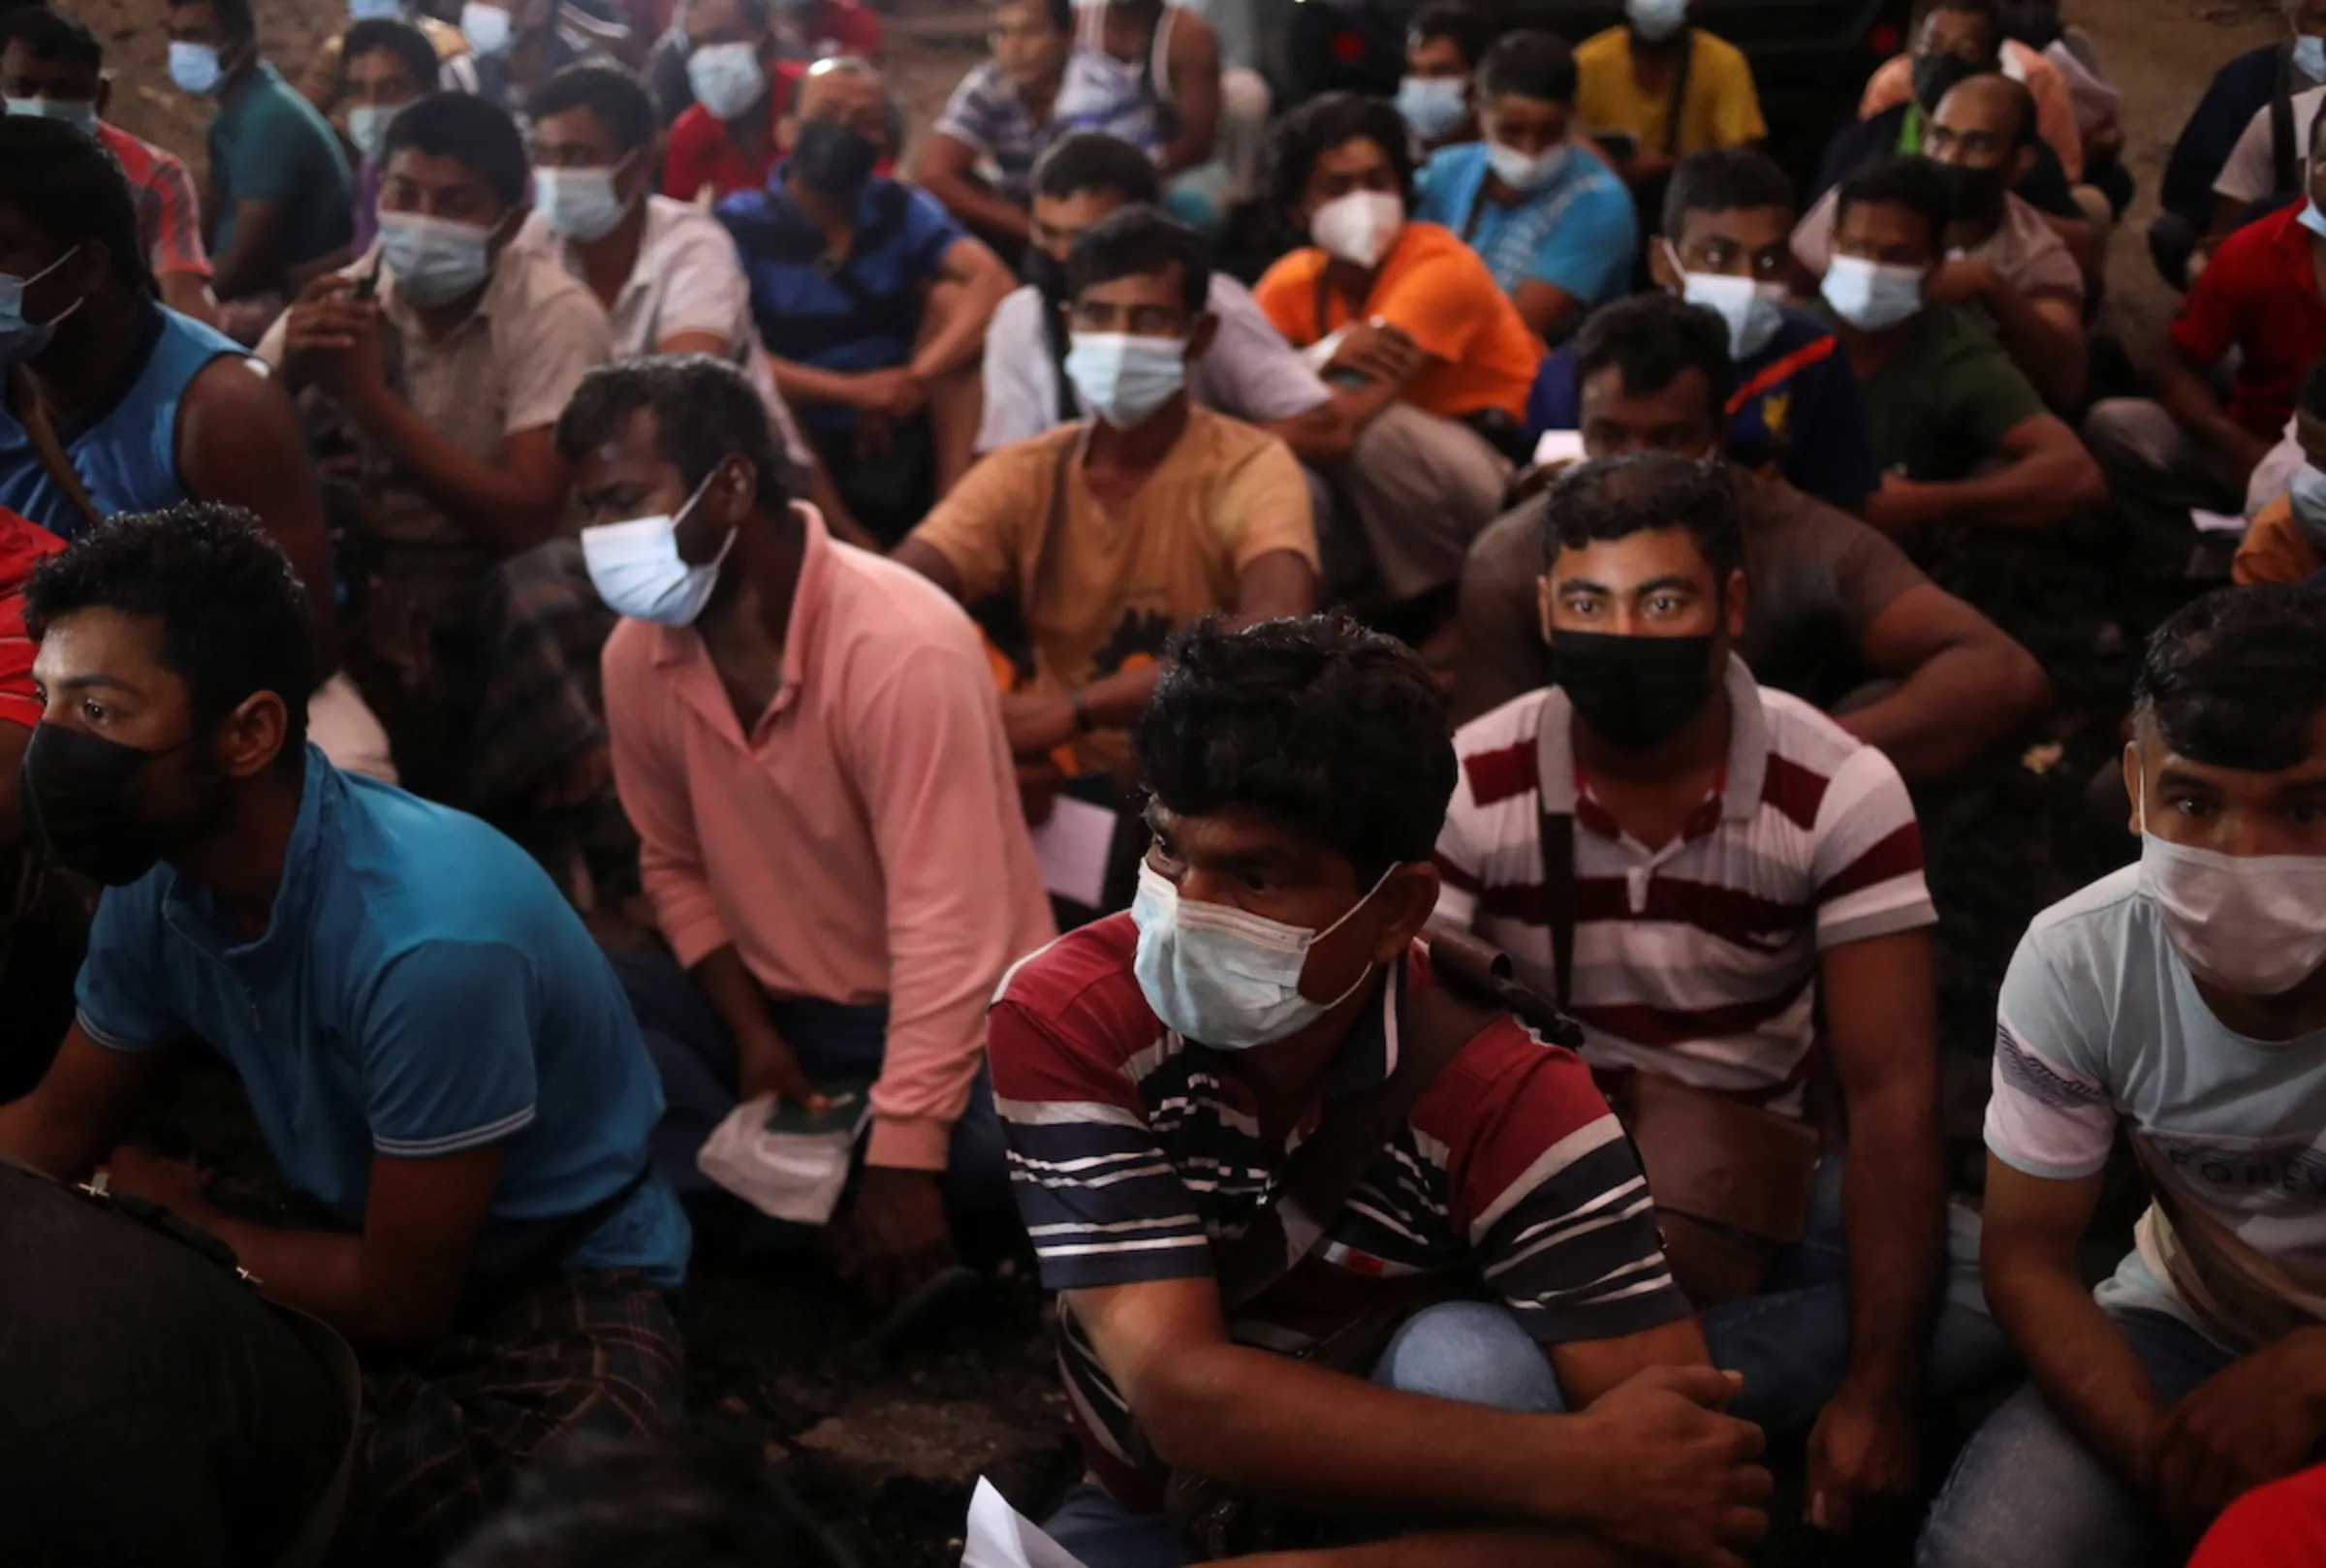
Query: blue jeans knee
<point>1474,1353</point>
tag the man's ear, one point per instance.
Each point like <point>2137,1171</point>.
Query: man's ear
<point>1410,898</point>
<point>1733,610</point>
<point>787,133</point>
<point>253,735</point>
<point>1542,605</point>
<point>2022,164</point>
<point>1200,339</point>
<point>2135,788</point>
<point>1662,268</point>
<point>104,91</point>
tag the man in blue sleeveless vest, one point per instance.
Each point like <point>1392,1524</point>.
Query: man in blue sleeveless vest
<point>111,403</point>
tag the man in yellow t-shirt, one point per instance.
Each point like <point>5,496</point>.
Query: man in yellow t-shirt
<point>1114,533</point>
<point>1632,75</point>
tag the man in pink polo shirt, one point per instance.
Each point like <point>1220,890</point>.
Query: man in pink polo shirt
<point>807,739</point>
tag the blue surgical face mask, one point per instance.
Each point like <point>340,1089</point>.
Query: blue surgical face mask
<point>1124,377</point>
<point>374,10</point>
<point>488,28</point>
<point>368,128</point>
<point>20,339</point>
<point>1524,172</point>
<point>727,78</point>
<point>434,261</point>
<point>637,570</point>
<point>1872,297</point>
<point>1222,976</point>
<point>2309,56</point>
<point>1656,19</point>
<point>580,203</point>
<point>2308,493</point>
<point>2310,218</point>
<point>1434,106</point>
<point>79,113</point>
<point>194,67</point>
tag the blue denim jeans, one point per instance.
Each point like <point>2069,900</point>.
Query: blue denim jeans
<point>2027,1493</point>
<point>1792,1340</point>
<point>695,1056</point>
<point>1468,1351</point>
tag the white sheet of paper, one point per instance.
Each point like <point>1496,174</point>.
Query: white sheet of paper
<point>2217,522</point>
<point>1560,447</point>
<point>1072,850</point>
<point>999,1536</point>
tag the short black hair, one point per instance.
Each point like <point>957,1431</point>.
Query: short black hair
<point>1094,161</point>
<point>1326,121</point>
<point>1339,732</point>
<point>1463,23</point>
<point>234,618</point>
<point>66,185</point>
<point>1913,183</point>
<point>2237,678</point>
<point>689,1502</point>
<point>469,130</point>
<point>1528,64</point>
<point>1646,492</point>
<point>2312,398</point>
<point>1135,241</point>
<point>1724,179</point>
<point>391,35</point>
<point>705,411</point>
<point>47,36</point>
<point>234,17</point>
<point>1653,340</point>
<point>614,95</point>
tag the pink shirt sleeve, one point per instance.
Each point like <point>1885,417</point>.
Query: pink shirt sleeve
<point>940,794</point>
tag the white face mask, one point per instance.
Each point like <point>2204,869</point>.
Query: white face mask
<point>1359,226</point>
<point>727,78</point>
<point>1754,311</point>
<point>581,203</point>
<point>1222,976</point>
<point>1124,377</point>
<point>488,28</point>
<point>2252,925</point>
<point>1528,171</point>
<point>1656,19</point>
<point>368,127</point>
<point>636,569</point>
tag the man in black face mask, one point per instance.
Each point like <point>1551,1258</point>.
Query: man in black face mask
<point>871,299</point>
<point>1694,863</point>
<point>2007,266</point>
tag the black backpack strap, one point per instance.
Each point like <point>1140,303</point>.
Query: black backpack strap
<point>1557,833</point>
<point>1679,93</point>
<point>2285,163</point>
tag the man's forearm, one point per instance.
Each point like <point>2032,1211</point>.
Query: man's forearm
<point>2031,493</point>
<point>320,1273</point>
<point>2051,351</point>
<point>734,994</point>
<point>991,218</point>
<point>1894,1216</point>
<point>2078,1357</point>
<point>962,341</point>
<point>804,385</point>
<point>2188,397</point>
<point>495,509</point>
<point>1115,701</point>
<point>1946,713</point>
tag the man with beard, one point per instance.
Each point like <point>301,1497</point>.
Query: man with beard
<point>2005,266</point>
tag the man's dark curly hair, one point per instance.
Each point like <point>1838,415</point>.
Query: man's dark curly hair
<point>2237,678</point>
<point>1323,123</point>
<point>705,410</point>
<point>1339,732</point>
<point>234,616</point>
<point>1642,492</point>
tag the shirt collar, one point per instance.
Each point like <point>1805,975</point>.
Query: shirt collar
<point>196,913</point>
<point>1370,1054</point>
<point>1746,768</point>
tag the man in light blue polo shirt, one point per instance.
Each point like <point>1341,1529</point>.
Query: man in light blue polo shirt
<point>1554,223</point>
<point>433,1046</point>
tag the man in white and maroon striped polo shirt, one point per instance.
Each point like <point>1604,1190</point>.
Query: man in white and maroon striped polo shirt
<point>1734,853</point>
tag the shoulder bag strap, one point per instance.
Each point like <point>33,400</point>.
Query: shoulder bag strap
<point>2285,165</point>
<point>1557,833</point>
<point>1326,1170</point>
<point>1680,97</point>
<point>1053,521</point>
<point>33,414</point>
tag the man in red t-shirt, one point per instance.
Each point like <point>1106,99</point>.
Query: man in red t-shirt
<point>23,546</point>
<point>2259,297</point>
<point>43,922</point>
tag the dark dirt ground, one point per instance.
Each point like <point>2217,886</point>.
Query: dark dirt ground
<point>885,1445</point>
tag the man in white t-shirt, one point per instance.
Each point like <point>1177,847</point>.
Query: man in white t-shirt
<point>2184,999</point>
<point>2251,175</point>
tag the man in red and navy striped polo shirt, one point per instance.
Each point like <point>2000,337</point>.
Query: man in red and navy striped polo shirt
<point>1153,1070</point>
<point>1738,859</point>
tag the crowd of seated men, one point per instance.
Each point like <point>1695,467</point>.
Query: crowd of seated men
<point>580,591</point>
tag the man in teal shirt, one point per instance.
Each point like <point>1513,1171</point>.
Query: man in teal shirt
<point>280,193</point>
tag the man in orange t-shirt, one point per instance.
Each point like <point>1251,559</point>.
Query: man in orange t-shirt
<point>1433,361</point>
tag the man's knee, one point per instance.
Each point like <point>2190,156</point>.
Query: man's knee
<point>2133,432</point>
<point>1473,1353</point>
<point>2027,1493</point>
<point>1415,454</point>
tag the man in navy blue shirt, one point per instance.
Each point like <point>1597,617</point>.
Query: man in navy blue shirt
<point>435,1050</point>
<point>873,301</point>
<point>2240,90</point>
<point>1794,411</point>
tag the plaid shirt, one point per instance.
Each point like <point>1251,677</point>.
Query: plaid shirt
<point>1099,94</point>
<point>168,213</point>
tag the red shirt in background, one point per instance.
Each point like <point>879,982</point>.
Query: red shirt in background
<point>702,153</point>
<point>2279,1525</point>
<point>2258,293</point>
<point>23,546</point>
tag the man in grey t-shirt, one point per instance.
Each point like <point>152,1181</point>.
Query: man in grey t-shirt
<point>1822,585</point>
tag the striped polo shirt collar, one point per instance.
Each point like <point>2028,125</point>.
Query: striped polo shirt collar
<point>1370,1054</point>
<point>1748,748</point>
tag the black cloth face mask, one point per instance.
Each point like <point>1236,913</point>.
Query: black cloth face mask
<point>1635,692</point>
<point>833,160</point>
<point>77,789</point>
<point>1937,75</point>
